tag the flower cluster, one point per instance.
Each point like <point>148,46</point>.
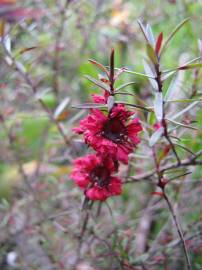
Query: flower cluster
<point>112,134</point>
<point>93,173</point>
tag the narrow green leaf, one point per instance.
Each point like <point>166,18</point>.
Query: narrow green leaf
<point>190,66</point>
<point>156,136</point>
<point>158,105</point>
<point>185,148</point>
<point>173,87</point>
<point>61,107</point>
<point>151,119</point>
<point>99,65</point>
<point>167,75</point>
<point>150,35</point>
<point>181,124</point>
<point>110,102</point>
<point>124,85</point>
<point>184,100</point>
<point>136,106</point>
<point>151,54</point>
<point>172,34</point>
<point>124,93</point>
<point>174,70</point>
<point>184,65</point>
<point>178,176</point>
<point>193,60</point>
<point>98,83</point>
<point>139,74</point>
<point>144,31</point>
<point>151,75</point>
<point>185,110</point>
<point>89,106</point>
<point>126,70</point>
<point>130,94</point>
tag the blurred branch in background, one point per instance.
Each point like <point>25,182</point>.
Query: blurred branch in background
<point>56,58</point>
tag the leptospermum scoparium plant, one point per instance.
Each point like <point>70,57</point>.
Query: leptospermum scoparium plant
<point>112,131</point>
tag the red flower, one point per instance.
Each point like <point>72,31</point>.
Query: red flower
<point>114,134</point>
<point>93,173</point>
<point>101,99</point>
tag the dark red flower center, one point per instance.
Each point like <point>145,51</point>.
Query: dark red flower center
<point>100,175</point>
<point>115,131</point>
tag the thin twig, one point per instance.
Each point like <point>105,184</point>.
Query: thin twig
<point>179,230</point>
<point>83,229</point>
<point>192,161</point>
<point>162,184</point>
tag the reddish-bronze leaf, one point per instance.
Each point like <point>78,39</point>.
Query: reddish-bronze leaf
<point>164,153</point>
<point>103,68</point>
<point>158,43</point>
<point>27,49</point>
<point>111,76</point>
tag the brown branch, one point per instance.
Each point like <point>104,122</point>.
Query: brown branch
<point>83,228</point>
<point>192,161</point>
<point>162,185</point>
<point>179,230</point>
<point>170,245</point>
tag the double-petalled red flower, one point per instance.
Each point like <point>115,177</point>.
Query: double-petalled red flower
<point>114,134</point>
<point>93,173</point>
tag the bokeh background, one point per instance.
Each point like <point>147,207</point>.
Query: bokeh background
<point>48,44</point>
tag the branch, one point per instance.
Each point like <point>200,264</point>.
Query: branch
<point>192,161</point>
<point>162,184</point>
<point>179,230</point>
<point>83,227</point>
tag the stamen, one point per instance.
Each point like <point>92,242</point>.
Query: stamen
<point>115,131</point>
